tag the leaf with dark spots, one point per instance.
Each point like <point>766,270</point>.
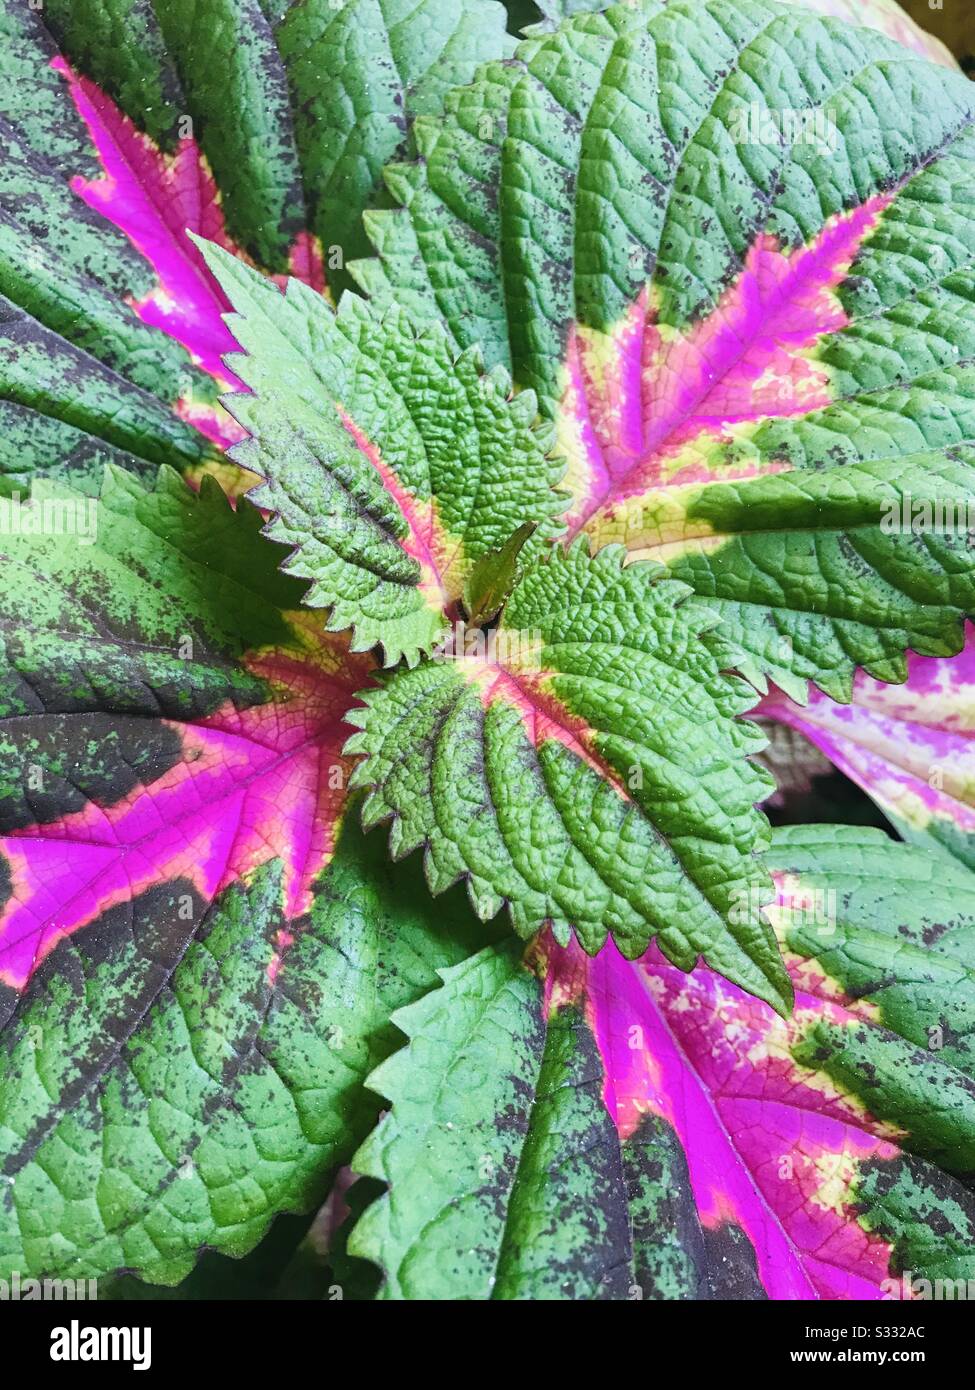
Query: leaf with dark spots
<point>699,260</point>
<point>732,1153</point>
<point>198,956</point>
<point>127,125</point>
<point>498,1188</point>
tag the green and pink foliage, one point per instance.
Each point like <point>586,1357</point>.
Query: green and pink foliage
<point>668,308</point>
<point>580,1128</point>
<point>909,746</point>
<point>128,126</point>
<point>702,256</point>
<point>198,954</point>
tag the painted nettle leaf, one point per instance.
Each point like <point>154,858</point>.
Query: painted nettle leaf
<point>593,777</point>
<point>393,465</point>
<point>127,124</point>
<point>887,17</point>
<point>909,746</point>
<point>578,1128</point>
<point>198,951</point>
<point>729,247</point>
<point>646,405</point>
<point>883,15</point>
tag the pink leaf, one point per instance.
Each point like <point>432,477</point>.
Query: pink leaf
<point>772,1148</point>
<point>910,746</point>
<point>156,199</point>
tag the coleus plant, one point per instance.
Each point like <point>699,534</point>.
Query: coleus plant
<point>632,391</point>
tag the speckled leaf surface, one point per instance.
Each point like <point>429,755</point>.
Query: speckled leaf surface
<point>503,1162</point>
<point>197,956</point>
<point>587,770</point>
<point>128,123</point>
<point>886,16</point>
<point>614,1129</point>
<point>693,229</point>
<point>297,105</point>
<point>724,250</point>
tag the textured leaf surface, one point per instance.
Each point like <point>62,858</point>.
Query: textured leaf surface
<point>702,256</point>
<point>883,15</point>
<point>196,963</point>
<point>909,746</point>
<point>84,379</point>
<point>298,105</point>
<point>587,769</point>
<point>501,1156</point>
<point>199,1087</point>
<point>809,582</point>
<point>392,464</point>
<point>128,123</point>
<point>886,16</point>
<point>747,1156</point>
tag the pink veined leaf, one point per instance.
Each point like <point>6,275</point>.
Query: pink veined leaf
<point>194,937</point>
<point>650,409</point>
<point>771,1148</point>
<point>911,747</point>
<point>620,1129</point>
<point>156,199</point>
<point>715,302</point>
<point>249,786</point>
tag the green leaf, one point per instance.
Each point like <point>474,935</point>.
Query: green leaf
<point>587,769</point>
<point>506,1176</point>
<point>126,123</point>
<point>359,72</point>
<point>903,941</point>
<point>815,573</point>
<point>613,1129</point>
<point>200,955</point>
<point>223,1099</point>
<point>392,463</point>
<point>499,1150</point>
<point>493,576</point>
<point>693,230</point>
<point>886,16</point>
<point>119,44</point>
<point>82,380</point>
<point>136,603</point>
<point>297,106</point>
